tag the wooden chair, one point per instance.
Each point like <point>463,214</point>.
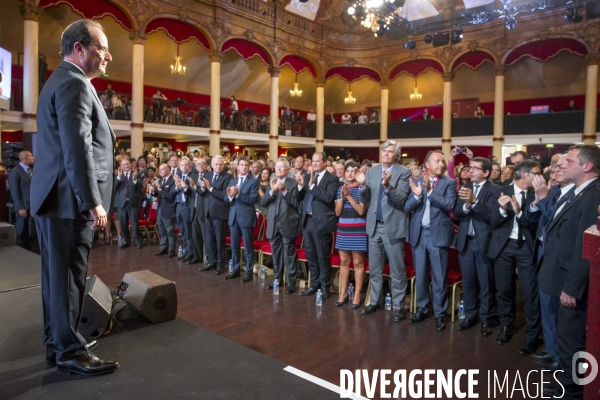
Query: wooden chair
<point>189,117</point>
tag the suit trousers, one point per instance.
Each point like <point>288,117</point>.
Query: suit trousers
<point>512,256</point>
<point>549,311</point>
<point>318,249</point>
<point>476,273</point>
<point>166,230</point>
<point>65,246</point>
<point>216,230</point>
<point>571,331</point>
<point>379,246</point>
<point>438,259</point>
<point>183,217</point>
<point>131,214</point>
<point>198,235</point>
<point>284,256</point>
<point>237,232</point>
<point>24,230</point>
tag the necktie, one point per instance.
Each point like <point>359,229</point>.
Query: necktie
<point>426,221</point>
<point>379,211</point>
<point>29,172</point>
<point>215,176</point>
<point>310,197</point>
<point>471,229</point>
<point>241,183</point>
<point>519,227</point>
<point>181,196</point>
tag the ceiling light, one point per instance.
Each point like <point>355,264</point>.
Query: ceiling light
<point>178,68</point>
<point>350,99</point>
<point>351,10</point>
<point>428,38</point>
<point>457,35</point>
<point>574,16</point>
<point>410,44</point>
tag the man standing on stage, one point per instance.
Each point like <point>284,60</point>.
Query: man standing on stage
<point>71,191</point>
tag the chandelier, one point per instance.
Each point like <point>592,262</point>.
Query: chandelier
<point>350,99</point>
<point>416,95</point>
<point>178,68</point>
<point>377,15</point>
<point>296,92</point>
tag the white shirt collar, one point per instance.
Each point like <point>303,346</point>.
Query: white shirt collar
<point>25,167</point>
<point>564,190</point>
<point>584,185</point>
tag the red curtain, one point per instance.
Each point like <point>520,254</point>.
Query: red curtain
<point>472,60</point>
<point>416,68</point>
<point>246,50</point>
<point>95,9</point>
<point>298,64</point>
<point>353,74</point>
<point>543,50</point>
<point>178,31</point>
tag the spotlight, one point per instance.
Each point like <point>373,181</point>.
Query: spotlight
<point>574,16</point>
<point>410,44</point>
<point>428,38</point>
<point>511,22</point>
<point>383,28</point>
<point>351,10</point>
<point>457,36</point>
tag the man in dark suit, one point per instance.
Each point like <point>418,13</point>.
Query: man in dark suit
<point>198,221</point>
<point>214,189</point>
<point>565,273</point>
<point>128,198</point>
<point>431,234</point>
<point>512,244</point>
<point>184,204</point>
<point>317,192</point>
<point>384,189</point>
<point>473,241</point>
<point>19,180</point>
<point>166,192</point>
<point>242,195</point>
<point>71,191</point>
<point>283,223</point>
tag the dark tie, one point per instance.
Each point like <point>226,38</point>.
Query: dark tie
<point>29,172</point>
<point>215,176</point>
<point>379,211</point>
<point>310,197</point>
<point>241,183</point>
<point>126,184</point>
<point>519,227</point>
<point>471,229</point>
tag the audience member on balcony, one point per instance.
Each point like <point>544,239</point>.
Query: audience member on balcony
<point>426,115</point>
<point>351,235</point>
<point>374,117</point>
<point>109,92</point>
<point>478,112</point>
<point>572,106</point>
<point>331,118</point>
<point>234,112</point>
<point>496,173</point>
<point>169,113</point>
<point>128,106</point>
<point>263,124</point>
<point>346,118</point>
<point>311,122</point>
<point>288,118</point>
<point>158,104</point>
<point>362,118</point>
<point>117,107</point>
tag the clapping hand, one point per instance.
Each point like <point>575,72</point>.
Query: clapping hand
<point>300,179</point>
<point>427,183</point>
<point>280,185</point>
<point>515,205</point>
<point>385,182</point>
<point>361,179</point>
<point>466,194</point>
<point>345,192</point>
<point>503,200</point>
<point>312,180</point>
<point>207,183</point>
<point>119,173</point>
<point>191,181</point>
<point>416,189</point>
<point>541,187</point>
<point>134,175</point>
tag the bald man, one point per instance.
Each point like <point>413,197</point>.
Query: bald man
<point>19,180</point>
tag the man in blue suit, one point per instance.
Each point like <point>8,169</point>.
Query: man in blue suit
<point>242,194</point>
<point>19,180</point>
<point>431,234</point>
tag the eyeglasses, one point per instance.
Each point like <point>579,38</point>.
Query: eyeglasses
<point>534,173</point>
<point>475,168</point>
<point>103,50</point>
<point>279,167</point>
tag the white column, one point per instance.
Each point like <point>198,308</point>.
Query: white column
<point>31,15</point>
<point>498,139</point>
<point>214,147</point>
<point>383,117</point>
<point>137,95</point>
<point>320,134</point>
<point>591,91</point>
<point>447,121</point>
<point>274,128</point>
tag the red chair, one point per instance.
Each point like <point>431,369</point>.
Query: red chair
<point>258,234</point>
<point>149,226</point>
<point>189,117</point>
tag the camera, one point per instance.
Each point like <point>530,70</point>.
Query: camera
<point>461,150</point>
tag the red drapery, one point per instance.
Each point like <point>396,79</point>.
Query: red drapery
<point>472,60</point>
<point>95,9</point>
<point>246,50</point>
<point>543,50</point>
<point>298,64</point>
<point>178,31</point>
<point>353,74</point>
<point>416,68</point>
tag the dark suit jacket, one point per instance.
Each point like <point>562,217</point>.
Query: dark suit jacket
<point>564,269</point>
<point>135,192</point>
<point>215,206</point>
<point>199,199</point>
<point>502,226</point>
<point>74,166</point>
<point>242,207</point>
<point>190,194</point>
<point>20,183</point>
<point>480,215</point>
<point>166,198</point>
<point>442,200</point>
<point>323,204</point>
<point>289,214</point>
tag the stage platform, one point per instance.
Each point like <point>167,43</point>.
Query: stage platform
<point>18,268</point>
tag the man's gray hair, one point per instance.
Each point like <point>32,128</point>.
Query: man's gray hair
<point>285,161</point>
<point>396,145</point>
<point>79,31</point>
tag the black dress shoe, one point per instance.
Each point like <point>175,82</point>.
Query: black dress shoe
<point>420,316</point>
<point>123,245</point>
<point>370,309</point>
<point>341,303</point>
<point>308,292</point>
<point>247,278</point>
<point>231,276</point>
<point>51,355</point>
<point>527,349</point>
<point>440,323</point>
<point>171,254</point>
<point>219,271</point>
<point>193,261</point>
<point>290,290</point>
<point>188,258</point>
<point>161,252</point>
<point>138,245</point>
<point>399,315</point>
<point>545,357</point>
<point>270,287</point>
<point>504,335</point>
<point>486,330</point>
<point>326,295</point>
<point>87,364</point>
<point>207,268</point>
<point>466,324</point>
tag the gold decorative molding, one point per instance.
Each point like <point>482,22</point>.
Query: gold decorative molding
<point>218,32</point>
<point>592,59</point>
<point>448,76</point>
<point>30,11</point>
<point>447,54</point>
<point>590,34</point>
<point>142,10</point>
<point>274,71</point>
<point>351,62</point>
<point>216,56</point>
<point>249,35</point>
<point>473,46</point>
<point>277,47</point>
<point>500,70</point>
<point>138,37</point>
<point>500,47</point>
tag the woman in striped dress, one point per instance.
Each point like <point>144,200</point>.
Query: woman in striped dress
<point>351,236</point>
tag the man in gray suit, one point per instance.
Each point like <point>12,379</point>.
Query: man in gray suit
<point>384,188</point>
<point>71,191</point>
<point>283,222</point>
<point>431,234</point>
<point>19,180</point>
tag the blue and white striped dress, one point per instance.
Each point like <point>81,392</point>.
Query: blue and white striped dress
<point>352,228</point>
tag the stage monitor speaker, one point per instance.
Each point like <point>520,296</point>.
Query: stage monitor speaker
<point>97,305</point>
<point>8,237</point>
<point>152,295</point>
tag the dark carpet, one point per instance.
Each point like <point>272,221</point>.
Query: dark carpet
<point>19,268</point>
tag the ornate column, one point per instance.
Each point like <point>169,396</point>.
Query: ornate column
<point>274,128</point>
<point>447,119</point>
<point>591,91</point>
<point>320,134</point>
<point>499,113</point>
<point>214,146</point>
<point>383,117</point>
<point>31,16</point>
<point>137,95</point>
